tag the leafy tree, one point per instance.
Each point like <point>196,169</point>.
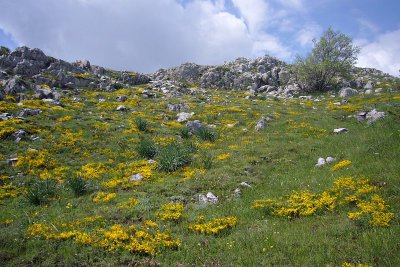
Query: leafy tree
<point>4,50</point>
<point>333,55</point>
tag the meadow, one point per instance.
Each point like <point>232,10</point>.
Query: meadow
<point>97,186</point>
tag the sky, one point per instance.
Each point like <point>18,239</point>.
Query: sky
<point>145,35</point>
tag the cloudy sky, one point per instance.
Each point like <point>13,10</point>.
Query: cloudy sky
<point>145,35</point>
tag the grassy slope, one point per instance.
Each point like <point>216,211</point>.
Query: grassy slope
<point>276,161</point>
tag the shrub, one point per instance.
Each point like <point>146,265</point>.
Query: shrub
<point>334,54</point>
<point>173,156</point>
<point>184,132</point>
<point>206,134</point>
<point>146,148</point>
<point>207,161</point>
<point>39,192</point>
<point>4,50</point>
<point>78,185</point>
<point>141,124</point>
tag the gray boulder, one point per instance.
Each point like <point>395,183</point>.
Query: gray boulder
<point>15,86</point>
<point>347,91</point>
<point>261,124</point>
<point>374,115</point>
<point>194,126</point>
<point>369,85</point>
<point>26,112</point>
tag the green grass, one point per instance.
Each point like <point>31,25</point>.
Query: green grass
<point>105,148</point>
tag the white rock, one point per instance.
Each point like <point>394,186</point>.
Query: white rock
<point>374,115</point>
<point>237,192</point>
<point>340,130</point>
<point>121,108</point>
<point>136,177</point>
<point>321,162</point>
<point>210,198</point>
<point>244,184</point>
<point>330,159</point>
<point>184,116</point>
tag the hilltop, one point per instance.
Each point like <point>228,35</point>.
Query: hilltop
<point>230,165</point>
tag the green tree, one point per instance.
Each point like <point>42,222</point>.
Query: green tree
<point>333,55</point>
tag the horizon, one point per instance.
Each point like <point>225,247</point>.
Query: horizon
<point>126,35</point>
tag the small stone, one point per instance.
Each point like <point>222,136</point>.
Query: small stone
<point>321,162</point>
<point>121,108</point>
<point>122,98</point>
<point>210,198</point>
<point>261,124</point>
<point>12,161</point>
<point>151,161</point>
<point>244,184</point>
<point>340,130</point>
<point>184,116</point>
<point>330,159</point>
<point>374,115</point>
<point>136,177</point>
<point>237,192</point>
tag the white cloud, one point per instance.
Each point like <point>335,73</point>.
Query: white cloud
<point>307,34</point>
<point>129,34</point>
<point>383,53</point>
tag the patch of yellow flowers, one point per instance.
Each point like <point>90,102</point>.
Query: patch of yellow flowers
<point>104,197</point>
<point>341,164</point>
<point>213,226</point>
<point>170,211</point>
<point>345,190</point>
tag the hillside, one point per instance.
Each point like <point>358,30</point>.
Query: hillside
<point>228,165</point>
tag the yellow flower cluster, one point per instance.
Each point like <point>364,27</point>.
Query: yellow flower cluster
<point>130,203</point>
<point>348,264</point>
<point>170,211</point>
<point>9,191</point>
<point>92,171</point>
<point>376,209</point>
<point>344,191</point>
<point>35,159</point>
<point>65,118</point>
<point>70,139</point>
<point>145,240</point>
<point>214,226</point>
<point>341,164</point>
<point>306,129</point>
<point>104,197</point>
<point>223,156</point>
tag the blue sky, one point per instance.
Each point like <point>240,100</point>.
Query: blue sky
<point>145,35</point>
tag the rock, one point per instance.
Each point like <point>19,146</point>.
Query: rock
<point>136,177</point>
<point>321,162</point>
<point>148,94</point>
<point>346,92</point>
<point>194,126</point>
<point>122,98</point>
<point>12,161</point>
<point>378,90</point>
<point>368,92</point>
<point>19,135</point>
<point>210,198</point>
<point>178,107</point>
<point>340,130</point>
<point>26,112</point>
<point>374,115</point>
<point>184,116</point>
<point>5,116</point>
<point>261,124</point>
<point>284,77</point>
<point>15,86</point>
<point>83,64</point>
<point>44,93</point>
<point>330,159</point>
<point>121,108</point>
<point>244,184</point>
<point>361,116</point>
<point>369,85</point>
<point>237,192</point>
<point>151,161</point>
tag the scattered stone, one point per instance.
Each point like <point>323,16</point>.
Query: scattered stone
<point>19,135</point>
<point>368,92</point>
<point>26,112</point>
<point>261,124</point>
<point>321,162</point>
<point>369,85</point>
<point>378,90</point>
<point>136,177</point>
<point>346,92</point>
<point>122,98</point>
<point>210,198</point>
<point>178,199</point>
<point>237,192</point>
<point>245,184</point>
<point>330,159</point>
<point>184,116</point>
<point>121,108</point>
<point>148,94</point>
<point>374,115</point>
<point>5,116</point>
<point>340,130</point>
<point>178,107</point>
<point>12,161</point>
<point>151,161</point>
<point>194,126</point>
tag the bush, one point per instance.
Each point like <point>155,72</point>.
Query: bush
<point>333,55</point>
<point>78,185</point>
<point>39,192</point>
<point>207,161</point>
<point>184,132</point>
<point>173,156</point>
<point>141,124</point>
<point>4,50</point>
<point>206,134</point>
<point>146,148</point>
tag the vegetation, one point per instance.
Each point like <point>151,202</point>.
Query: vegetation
<point>334,54</point>
<point>4,50</point>
<point>141,212</point>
